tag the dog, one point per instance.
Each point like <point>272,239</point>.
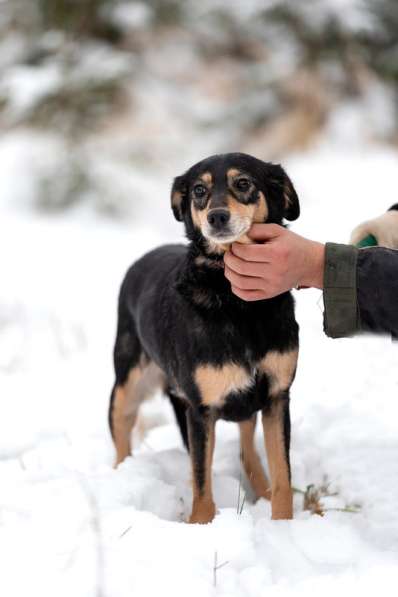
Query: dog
<point>182,329</point>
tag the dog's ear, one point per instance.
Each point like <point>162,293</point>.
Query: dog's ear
<point>178,196</point>
<point>291,205</point>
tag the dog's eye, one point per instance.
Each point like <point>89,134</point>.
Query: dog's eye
<point>199,190</point>
<point>242,184</point>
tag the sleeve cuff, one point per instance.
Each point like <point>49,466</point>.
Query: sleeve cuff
<point>341,318</point>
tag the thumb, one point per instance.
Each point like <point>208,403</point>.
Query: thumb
<point>263,232</point>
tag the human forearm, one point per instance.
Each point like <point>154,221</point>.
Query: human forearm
<point>377,283</point>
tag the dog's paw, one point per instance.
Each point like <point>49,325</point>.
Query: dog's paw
<point>203,513</point>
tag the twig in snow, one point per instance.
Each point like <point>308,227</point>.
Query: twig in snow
<point>353,509</point>
<point>240,504</point>
<point>312,500</point>
<point>126,531</point>
<point>216,567</point>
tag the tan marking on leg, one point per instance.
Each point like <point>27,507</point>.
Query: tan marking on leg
<point>280,367</point>
<point>281,496</point>
<point>124,416</point>
<point>140,384</point>
<point>251,460</point>
<point>215,383</point>
<point>203,506</point>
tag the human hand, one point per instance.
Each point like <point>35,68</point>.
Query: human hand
<point>280,260</point>
<point>384,229</point>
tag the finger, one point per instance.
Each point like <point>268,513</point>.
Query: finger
<point>243,282</point>
<point>240,266</point>
<point>249,295</point>
<point>265,232</point>
<point>257,253</point>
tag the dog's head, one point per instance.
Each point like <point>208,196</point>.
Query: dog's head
<point>220,197</point>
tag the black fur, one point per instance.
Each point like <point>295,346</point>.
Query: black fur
<point>179,311</point>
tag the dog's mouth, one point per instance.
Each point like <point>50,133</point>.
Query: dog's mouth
<point>231,233</point>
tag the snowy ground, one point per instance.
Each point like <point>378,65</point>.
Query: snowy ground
<point>70,525</point>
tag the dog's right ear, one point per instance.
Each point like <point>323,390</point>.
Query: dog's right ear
<point>179,192</point>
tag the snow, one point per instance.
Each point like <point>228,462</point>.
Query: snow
<point>70,524</point>
<point>26,86</point>
<point>131,15</point>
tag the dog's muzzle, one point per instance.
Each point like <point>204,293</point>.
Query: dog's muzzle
<point>218,219</point>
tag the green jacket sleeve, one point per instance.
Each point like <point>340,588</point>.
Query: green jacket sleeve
<point>341,315</point>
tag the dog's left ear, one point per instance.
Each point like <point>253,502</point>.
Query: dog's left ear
<point>178,196</point>
<point>291,205</point>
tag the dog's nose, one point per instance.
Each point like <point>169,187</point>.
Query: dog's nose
<point>218,218</point>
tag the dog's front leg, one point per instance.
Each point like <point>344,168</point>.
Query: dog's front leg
<point>276,422</point>
<point>201,446</point>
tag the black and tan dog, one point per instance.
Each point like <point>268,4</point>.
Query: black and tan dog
<point>216,356</point>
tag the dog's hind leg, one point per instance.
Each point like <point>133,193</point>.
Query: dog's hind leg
<point>276,422</point>
<point>251,460</point>
<point>201,428</point>
<point>180,412</point>
<point>123,413</point>
<point>124,403</point>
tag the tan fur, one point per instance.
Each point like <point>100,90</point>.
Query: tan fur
<point>281,495</point>
<point>207,178</point>
<point>142,381</point>
<point>251,213</point>
<point>261,213</point>
<point>203,507</point>
<point>199,216</point>
<point>251,460</point>
<point>217,248</point>
<point>240,209</point>
<point>280,367</point>
<point>215,383</point>
<point>233,173</point>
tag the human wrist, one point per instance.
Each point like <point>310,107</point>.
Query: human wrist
<point>315,266</point>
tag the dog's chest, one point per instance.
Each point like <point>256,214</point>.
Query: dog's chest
<point>216,384</point>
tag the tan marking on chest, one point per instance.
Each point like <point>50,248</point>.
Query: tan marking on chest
<point>215,383</point>
<point>280,368</point>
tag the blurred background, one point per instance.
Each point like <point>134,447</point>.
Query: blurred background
<point>102,103</point>
<point>99,99</point>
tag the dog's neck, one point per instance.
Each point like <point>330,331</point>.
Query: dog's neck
<point>203,257</point>
<point>202,279</point>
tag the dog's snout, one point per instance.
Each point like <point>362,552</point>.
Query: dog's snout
<point>218,218</point>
